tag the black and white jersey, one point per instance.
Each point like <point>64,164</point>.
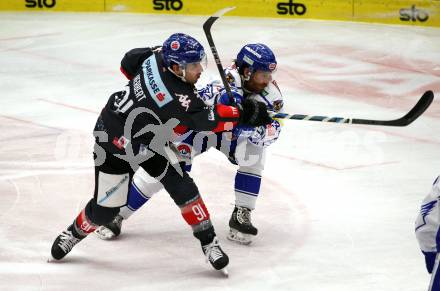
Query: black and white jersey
<point>154,96</point>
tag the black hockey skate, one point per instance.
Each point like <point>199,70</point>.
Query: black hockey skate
<point>64,243</point>
<point>241,228</point>
<point>215,255</point>
<point>110,230</point>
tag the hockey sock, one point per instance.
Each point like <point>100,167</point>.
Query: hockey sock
<point>142,188</point>
<point>82,225</point>
<point>247,188</point>
<point>205,236</point>
<point>196,215</point>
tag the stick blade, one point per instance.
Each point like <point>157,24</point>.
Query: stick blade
<point>412,115</point>
<point>210,21</point>
<point>418,109</point>
<point>223,11</point>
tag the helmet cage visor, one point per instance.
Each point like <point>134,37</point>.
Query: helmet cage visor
<point>192,60</point>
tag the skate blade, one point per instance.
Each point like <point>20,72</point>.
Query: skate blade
<point>52,260</point>
<point>224,272</point>
<point>239,237</point>
<point>104,233</point>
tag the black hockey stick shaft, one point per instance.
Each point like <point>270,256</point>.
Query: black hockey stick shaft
<point>412,115</point>
<point>207,29</point>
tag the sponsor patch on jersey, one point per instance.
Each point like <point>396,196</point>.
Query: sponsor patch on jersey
<point>184,150</point>
<point>270,130</point>
<point>160,96</point>
<point>184,101</point>
<point>277,105</point>
<point>121,143</point>
<point>155,86</point>
<point>264,93</point>
<point>175,45</point>
<point>230,78</point>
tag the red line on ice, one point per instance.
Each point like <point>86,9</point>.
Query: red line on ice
<point>68,106</point>
<point>30,36</point>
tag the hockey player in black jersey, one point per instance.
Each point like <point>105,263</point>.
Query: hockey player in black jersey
<point>134,130</point>
<point>250,76</point>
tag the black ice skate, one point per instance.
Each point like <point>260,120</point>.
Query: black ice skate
<point>241,228</point>
<point>64,243</point>
<point>215,255</point>
<point>110,230</point>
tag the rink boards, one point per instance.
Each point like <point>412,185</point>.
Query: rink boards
<point>416,12</point>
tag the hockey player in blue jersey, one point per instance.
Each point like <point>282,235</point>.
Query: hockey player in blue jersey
<point>428,234</point>
<point>250,76</point>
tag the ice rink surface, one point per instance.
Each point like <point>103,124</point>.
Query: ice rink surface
<point>338,202</point>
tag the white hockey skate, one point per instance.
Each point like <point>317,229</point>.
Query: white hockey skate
<point>111,230</point>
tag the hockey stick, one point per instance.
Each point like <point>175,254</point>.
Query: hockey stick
<point>412,115</point>
<point>207,29</point>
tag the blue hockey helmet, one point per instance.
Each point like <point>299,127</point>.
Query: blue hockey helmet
<point>182,49</point>
<point>258,57</point>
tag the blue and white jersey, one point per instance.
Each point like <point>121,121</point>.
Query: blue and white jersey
<point>427,224</point>
<point>211,90</point>
<point>262,135</point>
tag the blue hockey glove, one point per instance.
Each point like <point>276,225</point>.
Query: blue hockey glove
<point>226,100</point>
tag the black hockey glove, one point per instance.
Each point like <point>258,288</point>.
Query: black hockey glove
<point>253,113</point>
<point>429,260</point>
